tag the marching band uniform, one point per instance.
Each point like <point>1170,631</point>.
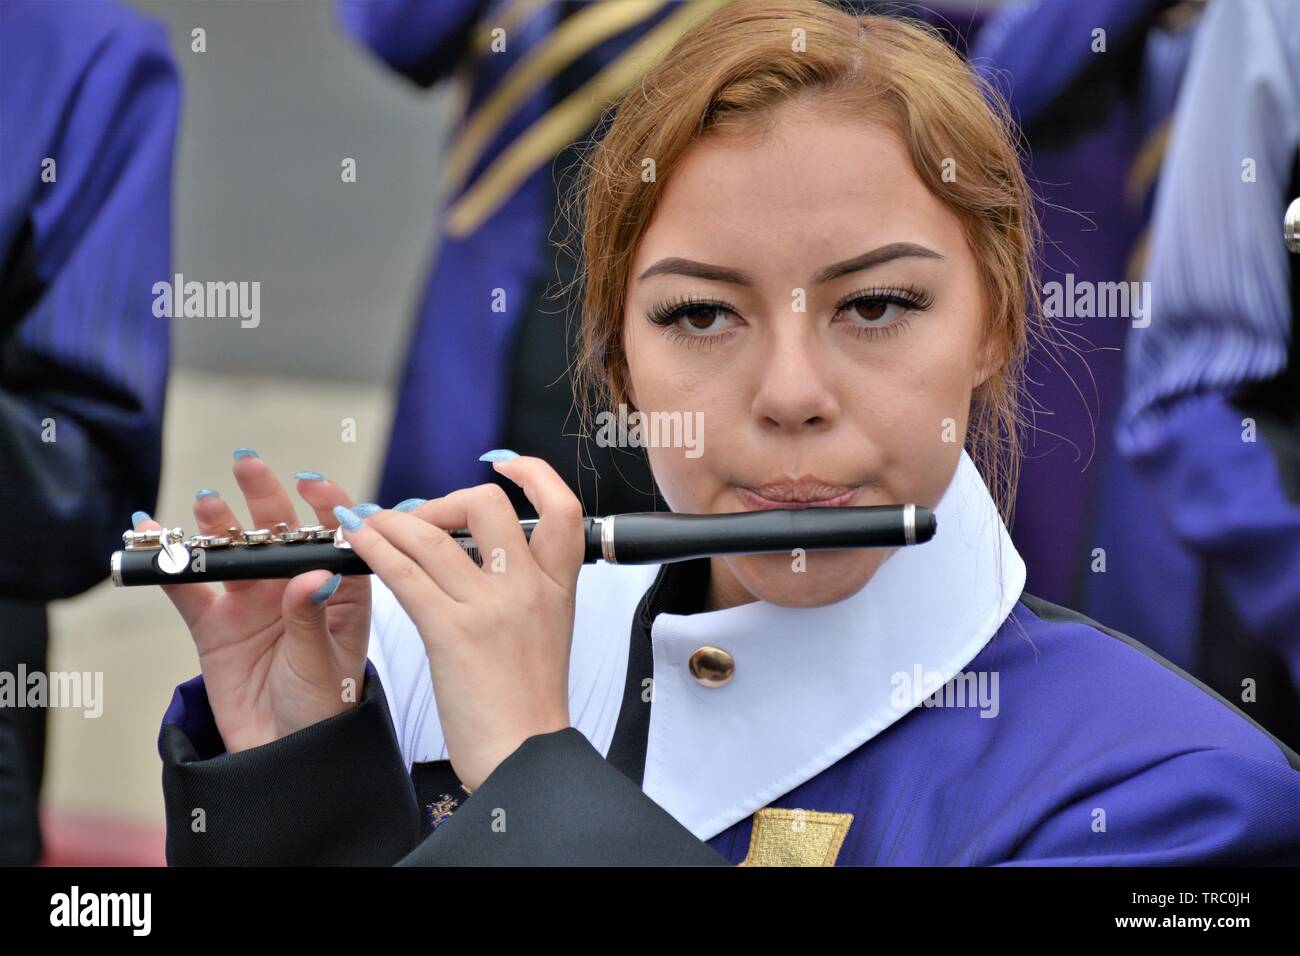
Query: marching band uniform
<point>835,735</point>
<point>89,105</point>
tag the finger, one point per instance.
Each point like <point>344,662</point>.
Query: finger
<point>558,541</point>
<point>439,557</point>
<point>191,600</point>
<point>214,516</point>
<point>410,584</point>
<point>322,495</point>
<point>490,517</point>
<point>315,648</point>
<point>268,502</point>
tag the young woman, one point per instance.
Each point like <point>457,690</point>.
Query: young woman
<point>812,230</point>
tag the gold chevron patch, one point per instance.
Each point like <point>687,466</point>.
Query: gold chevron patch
<point>783,837</point>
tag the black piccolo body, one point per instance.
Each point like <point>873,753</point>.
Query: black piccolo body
<point>168,557</point>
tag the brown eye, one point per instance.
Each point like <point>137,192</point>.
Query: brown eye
<point>872,309</point>
<point>701,319</point>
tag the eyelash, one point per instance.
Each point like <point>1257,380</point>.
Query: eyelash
<point>666,314</point>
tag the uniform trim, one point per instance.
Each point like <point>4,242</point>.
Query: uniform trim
<point>566,121</point>
<point>537,67</point>
<point>1055,612</point>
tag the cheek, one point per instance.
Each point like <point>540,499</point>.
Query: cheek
<point>669,377</point>
<point>914,404</point>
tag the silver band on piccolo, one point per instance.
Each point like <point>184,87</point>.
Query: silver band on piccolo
<point>909,524</point>
<point>607,540</point>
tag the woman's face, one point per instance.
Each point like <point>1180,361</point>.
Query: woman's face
<point>832,348</point>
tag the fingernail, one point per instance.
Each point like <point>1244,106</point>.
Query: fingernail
<point>138,516</point>
<point>347,518</point>
<point>498,454</point>
<point>410,504</point>
<point>309,475</point>
<point>326,590</point>
<point>206,493</point>
<point>245,453</point>
<point>366,509</point>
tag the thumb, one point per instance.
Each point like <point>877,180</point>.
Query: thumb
<point>303,603</point>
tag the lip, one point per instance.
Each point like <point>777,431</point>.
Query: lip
<point>797,496</point>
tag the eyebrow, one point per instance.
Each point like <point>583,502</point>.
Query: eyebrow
<point>702,270</point>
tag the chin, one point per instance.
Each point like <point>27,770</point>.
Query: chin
<point>828,576</point>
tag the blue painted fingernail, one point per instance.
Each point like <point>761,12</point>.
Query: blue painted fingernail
<point>498,454</point>
<point>326,590</point>
<point>138,516</point>
<point>309,475</point>
<point>366,509</point>
<point>347,518</point>
<point>410,504</point>
<point>206,493</point>
<point>245,453</point>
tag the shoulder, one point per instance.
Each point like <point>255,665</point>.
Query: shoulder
<point>1125,758</point>
<point>60,37</point>
<point>1131,688</point>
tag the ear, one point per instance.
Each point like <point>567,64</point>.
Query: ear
<point>993,359</point>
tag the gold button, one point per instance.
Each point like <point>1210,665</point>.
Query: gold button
<point>712,666</point>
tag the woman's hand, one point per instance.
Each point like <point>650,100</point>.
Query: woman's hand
<point>498,637</point>
<point>275,657</point>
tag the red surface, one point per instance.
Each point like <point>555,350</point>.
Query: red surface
<point>83,840</point>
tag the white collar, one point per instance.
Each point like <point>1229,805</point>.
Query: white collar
<point>813,684</point>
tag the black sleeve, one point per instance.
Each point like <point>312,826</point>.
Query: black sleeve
<point>338,792</point>
<point>557,801</point>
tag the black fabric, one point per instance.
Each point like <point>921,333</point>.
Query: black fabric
<point>678,588</point>
<point>334,792</point>
<point>555,801</point>
<point>1055,612</point>
<point>541,417</point>
<point>1227,654</point>
<point>337,792</point>
<point>24,640</point>
<point>20,285</point>
<point>438,792</point>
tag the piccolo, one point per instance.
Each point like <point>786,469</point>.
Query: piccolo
<point>166,556</point>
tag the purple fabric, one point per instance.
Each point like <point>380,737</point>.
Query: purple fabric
<point>1035,52</point>
<point>1086,725</point>
<point>189,710</point>
<point>1225,502</point>
<point>91,86</point>
<point>1140,547</point>
<point>1036,49</point>
<point>1074,397</point>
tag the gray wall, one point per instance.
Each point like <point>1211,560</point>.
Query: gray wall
<point>269,111</point>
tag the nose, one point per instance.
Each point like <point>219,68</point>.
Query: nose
<point>794,391</point>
